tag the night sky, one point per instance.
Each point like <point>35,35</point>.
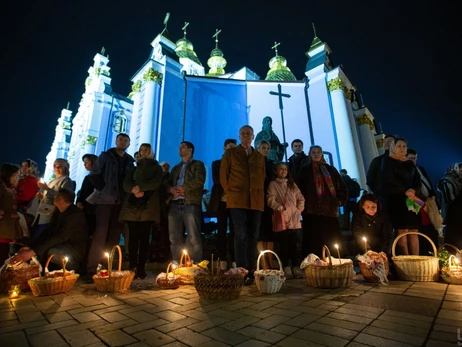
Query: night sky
<point>402,58</point>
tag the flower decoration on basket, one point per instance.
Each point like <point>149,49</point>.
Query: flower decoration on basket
<point>113,281</point>
<point>374,266</point>
<point>185,269</point>
<point>217,284</point>
<point>54,282</point>
<point>333,273</point>
<point>269,281</point>
<point>167,279</point>
<point>451,269</point>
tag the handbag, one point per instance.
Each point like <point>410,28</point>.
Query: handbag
<point>279,223</point>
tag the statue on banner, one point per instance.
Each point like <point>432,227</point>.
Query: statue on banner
<point>277,149</point>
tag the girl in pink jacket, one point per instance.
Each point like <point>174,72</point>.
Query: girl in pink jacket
<point>284,195</point>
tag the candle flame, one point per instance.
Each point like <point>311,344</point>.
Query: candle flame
<point>336,246</point>
<point>106,254</point>
<point>185,252</point>
<point>364,238</point>
<point>66,259</point>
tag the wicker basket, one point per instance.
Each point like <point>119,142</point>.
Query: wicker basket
<point>219,287</point>
<point>118,281</point>
<point>369,275</point>
<point>185,272</point>
<point>419,268</point>
<point>20,276</point>
<point>60,282</point>
<point>269,281</point>
<point>330,276</point>
<point>166,283</point>
<point>453,273</point>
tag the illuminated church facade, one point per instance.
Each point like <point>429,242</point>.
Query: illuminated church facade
<point>174,99</point>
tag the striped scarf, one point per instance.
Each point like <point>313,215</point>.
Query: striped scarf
<point>321,175</point>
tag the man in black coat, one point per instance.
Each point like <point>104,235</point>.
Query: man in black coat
<point>66,235</point>
<point>217,207</point>
<point>297,160</point>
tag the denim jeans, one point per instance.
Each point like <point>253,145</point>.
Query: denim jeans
<point>187,217</point>
<point>246,228</point>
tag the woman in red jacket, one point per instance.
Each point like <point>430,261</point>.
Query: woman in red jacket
<point>27,185</point>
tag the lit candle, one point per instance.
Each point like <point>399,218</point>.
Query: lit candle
<point>338,251</point>
<point>107,255</point>
<point>66,259</point>
<point>13,293</point>
<point>365,244</point>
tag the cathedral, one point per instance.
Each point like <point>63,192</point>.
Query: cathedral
<point>175,99</point>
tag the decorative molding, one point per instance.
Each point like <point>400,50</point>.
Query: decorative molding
<point>379,143</point>
<point>136,88</point>
<point>106,73</point>
<point>90,140</point>
<point>365,120</point>
<point>87,81</point>
<point>152,75</point>
<point>97,71</point>
<point>337,84</point>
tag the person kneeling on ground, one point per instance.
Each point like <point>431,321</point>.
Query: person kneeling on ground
<point>66,235</point>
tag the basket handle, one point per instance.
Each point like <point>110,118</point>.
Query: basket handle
<point>324,249</point>
<point>268,251</point>
<point>63,263</point>
<point>168,268</point>
<point>412,233</point>
<point>452,246</point>
<point>111,259</point>
<point>184,257</point>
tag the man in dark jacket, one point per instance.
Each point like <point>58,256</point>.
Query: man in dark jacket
<point>66,235</point>
<point>107,175</point>
<point>186,184</point>
<point>217,206</point>
<point>297,160</point>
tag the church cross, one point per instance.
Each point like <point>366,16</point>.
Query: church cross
<point>184,28</point>
<point>314,30</point>
<point>215,36</point>
<point>103,50</point>
<point>68,104</point>
<point>167,17</point>
<point>275,47</point>
<point>281,95</point>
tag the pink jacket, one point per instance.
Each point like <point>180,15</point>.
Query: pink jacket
<point>280,195</point>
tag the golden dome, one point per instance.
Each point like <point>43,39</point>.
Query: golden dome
<point>185,49</point>
<point>278,69</point>
<point>216,62</point>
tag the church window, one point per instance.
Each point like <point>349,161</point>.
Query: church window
<point>120,122</point>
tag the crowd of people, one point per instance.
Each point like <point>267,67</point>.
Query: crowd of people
<point>258,203</point>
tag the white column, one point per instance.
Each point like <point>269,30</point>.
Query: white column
<point>379,143</point>
<point>346,147</point>
<point>368,141</point>
<point>147,116</point>
<point>134,123</point>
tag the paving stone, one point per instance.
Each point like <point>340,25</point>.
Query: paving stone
<point>142,344</point>
<point>451,322</point>
<point>52,326</point>
<point>58,317</point>
<point>377,341</point>
<point>86,317</point>
<point>176,325</point>
<point>141,316</point>
<point>283,312</point>
<point>207,324</point>
<point>107,309</point>
<point>364,308</point>
<point>21,326</point>
<point>189,337</point>
<point>180,301</point>
<point>314,302</point>
<point>188,307</point>
<point>199,315</point>
<point>409,304</point>
<point>284,329</point>
<point>173,316</point>
<point>238,305</point>
<point>341,323</point>
<point>30,316</point>
<point>16,339</point>
<point>113,317</point>
<point>316,311</point>
<point>356,344</point>
<point>437,343</point>
<point>239,323</point>
<point>229,315</point>
<point>451,337</point>
<point>81,326</point>
<point>253,313</point>
<point>349,318</point>
<point>450,314</point>
<point>261,305</point>
<point>83,309</point>
<point>451,305</point>
<point>113,326</point>
<point>358,313</point>
<point>109,301</point>
<point>177,344</point>
<point>81,338</point>
<point>225,336</point>
<point>411,316</point>
<point>320,338</point>
<point>271,322</point>
<point>401,328</point>
<point>144,326</point>
<point>332,330</point>
<point>396,336</point>
<point>116,338</point>
<point>5,316</point>
<point>48,338</point>
<point>294,342</point>
<point>405,321</point>
<point>261,334</point>
<point>146,307</point>
<point>57,308</point>
<point>66,302</point>
<point>153,337</point>
<point>301,320</point>
<point>445,328</point>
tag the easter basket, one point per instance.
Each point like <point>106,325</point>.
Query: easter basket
<point>269,281</point>
<point>168,280</point>
<point>452,273</point>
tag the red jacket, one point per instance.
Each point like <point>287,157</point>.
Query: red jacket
<point>26,190</point>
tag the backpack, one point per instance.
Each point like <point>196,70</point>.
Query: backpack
<point>354,189</point>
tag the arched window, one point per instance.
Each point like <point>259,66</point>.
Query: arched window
<point>120,122</point>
